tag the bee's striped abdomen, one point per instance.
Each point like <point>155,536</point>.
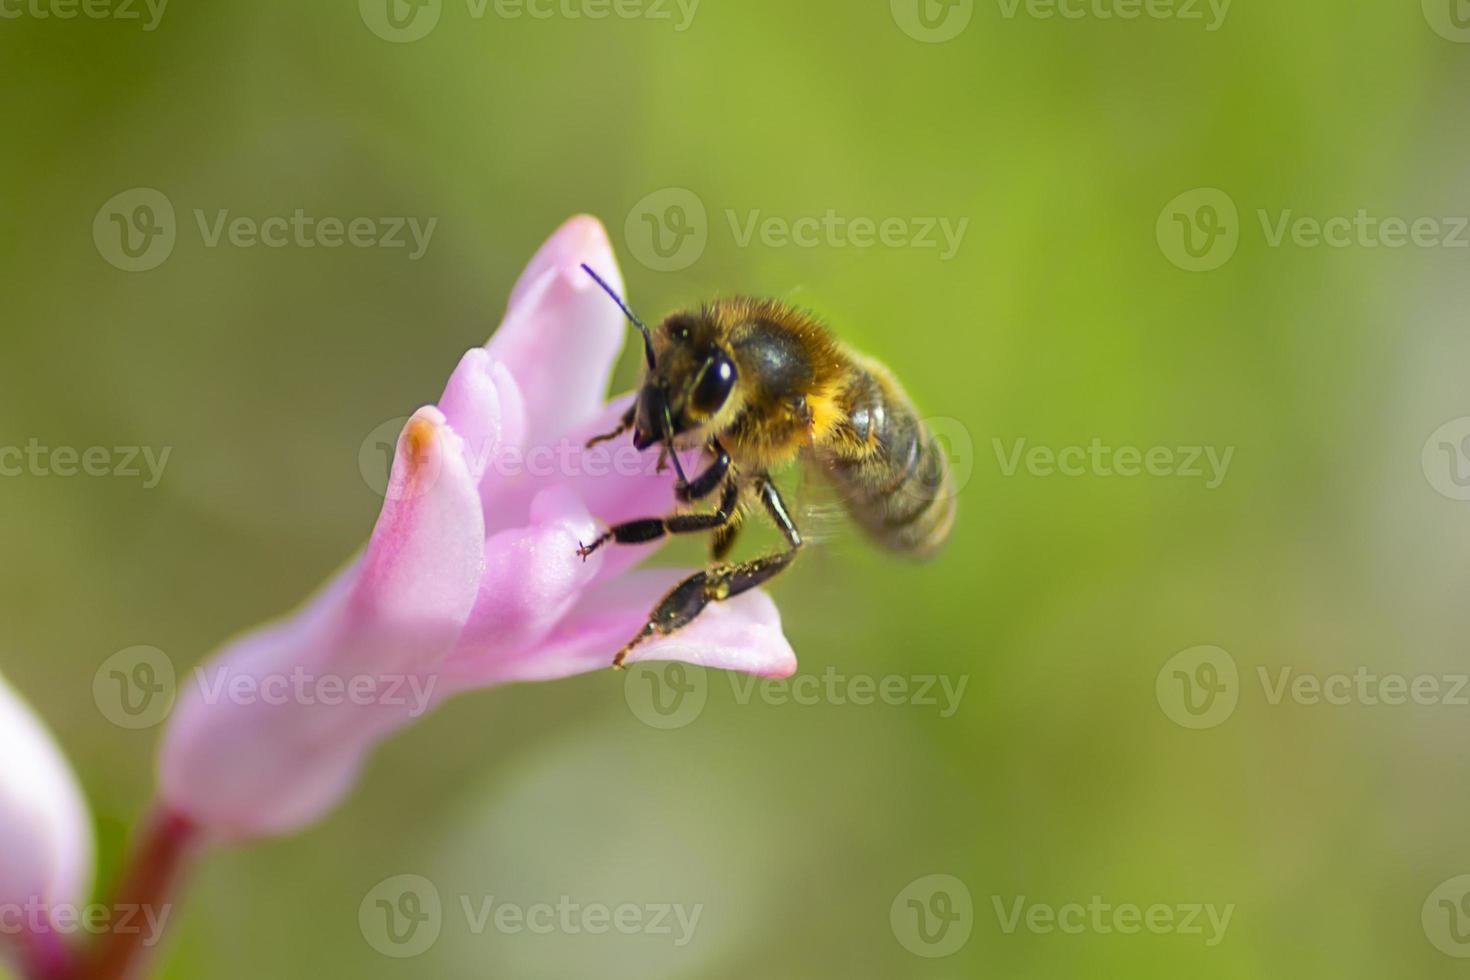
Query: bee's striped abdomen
<point>888,468</point>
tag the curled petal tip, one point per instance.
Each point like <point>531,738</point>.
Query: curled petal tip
<point>419,441</point>
<point>581,238</point>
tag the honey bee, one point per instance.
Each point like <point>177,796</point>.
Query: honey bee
<point>758,384</point>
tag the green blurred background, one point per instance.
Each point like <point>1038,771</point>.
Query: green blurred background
<point>1062,318</point>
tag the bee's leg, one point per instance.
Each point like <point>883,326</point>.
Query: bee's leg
<point>623,426</point>
<point>653,528</point>
<point>709,481</point>
<point>690,597</point>
<point>724,540</point>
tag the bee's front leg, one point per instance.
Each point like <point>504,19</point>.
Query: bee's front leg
<point>652,528</point>
<point>623,426</point>
<point>689,598</point>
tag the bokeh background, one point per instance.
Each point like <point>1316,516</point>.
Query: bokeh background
<point>1334,542</point>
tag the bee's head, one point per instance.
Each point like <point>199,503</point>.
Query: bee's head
<point>689,375</point>
<point>688,382</point>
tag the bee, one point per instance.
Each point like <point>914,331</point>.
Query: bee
<point>758,384</point>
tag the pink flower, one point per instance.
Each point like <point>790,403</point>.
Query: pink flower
<point>45,832</point>
<point>471,577</point>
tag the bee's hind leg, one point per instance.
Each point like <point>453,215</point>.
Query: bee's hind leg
<point>690,597</point>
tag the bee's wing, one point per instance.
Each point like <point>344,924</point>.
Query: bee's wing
<point>818,508</point>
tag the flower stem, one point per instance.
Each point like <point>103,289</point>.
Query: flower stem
<point>45,956</point>
<point>147,885</point>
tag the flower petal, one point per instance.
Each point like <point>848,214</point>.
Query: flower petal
<point>533,576</point>
<point>614,481</point>
<point>743,633</point>
<point>561,334</point>
<point>280,754</point>
<point>580,239</point>
<point>483,404</point>
<point>45,832</point>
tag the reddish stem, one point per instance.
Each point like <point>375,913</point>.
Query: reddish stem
<point>148,883</point>
<point>45,956</point>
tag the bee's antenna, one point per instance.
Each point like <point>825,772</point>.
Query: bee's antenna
<point>642,327</point>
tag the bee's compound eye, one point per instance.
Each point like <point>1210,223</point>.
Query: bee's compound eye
<point>716,381</point>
